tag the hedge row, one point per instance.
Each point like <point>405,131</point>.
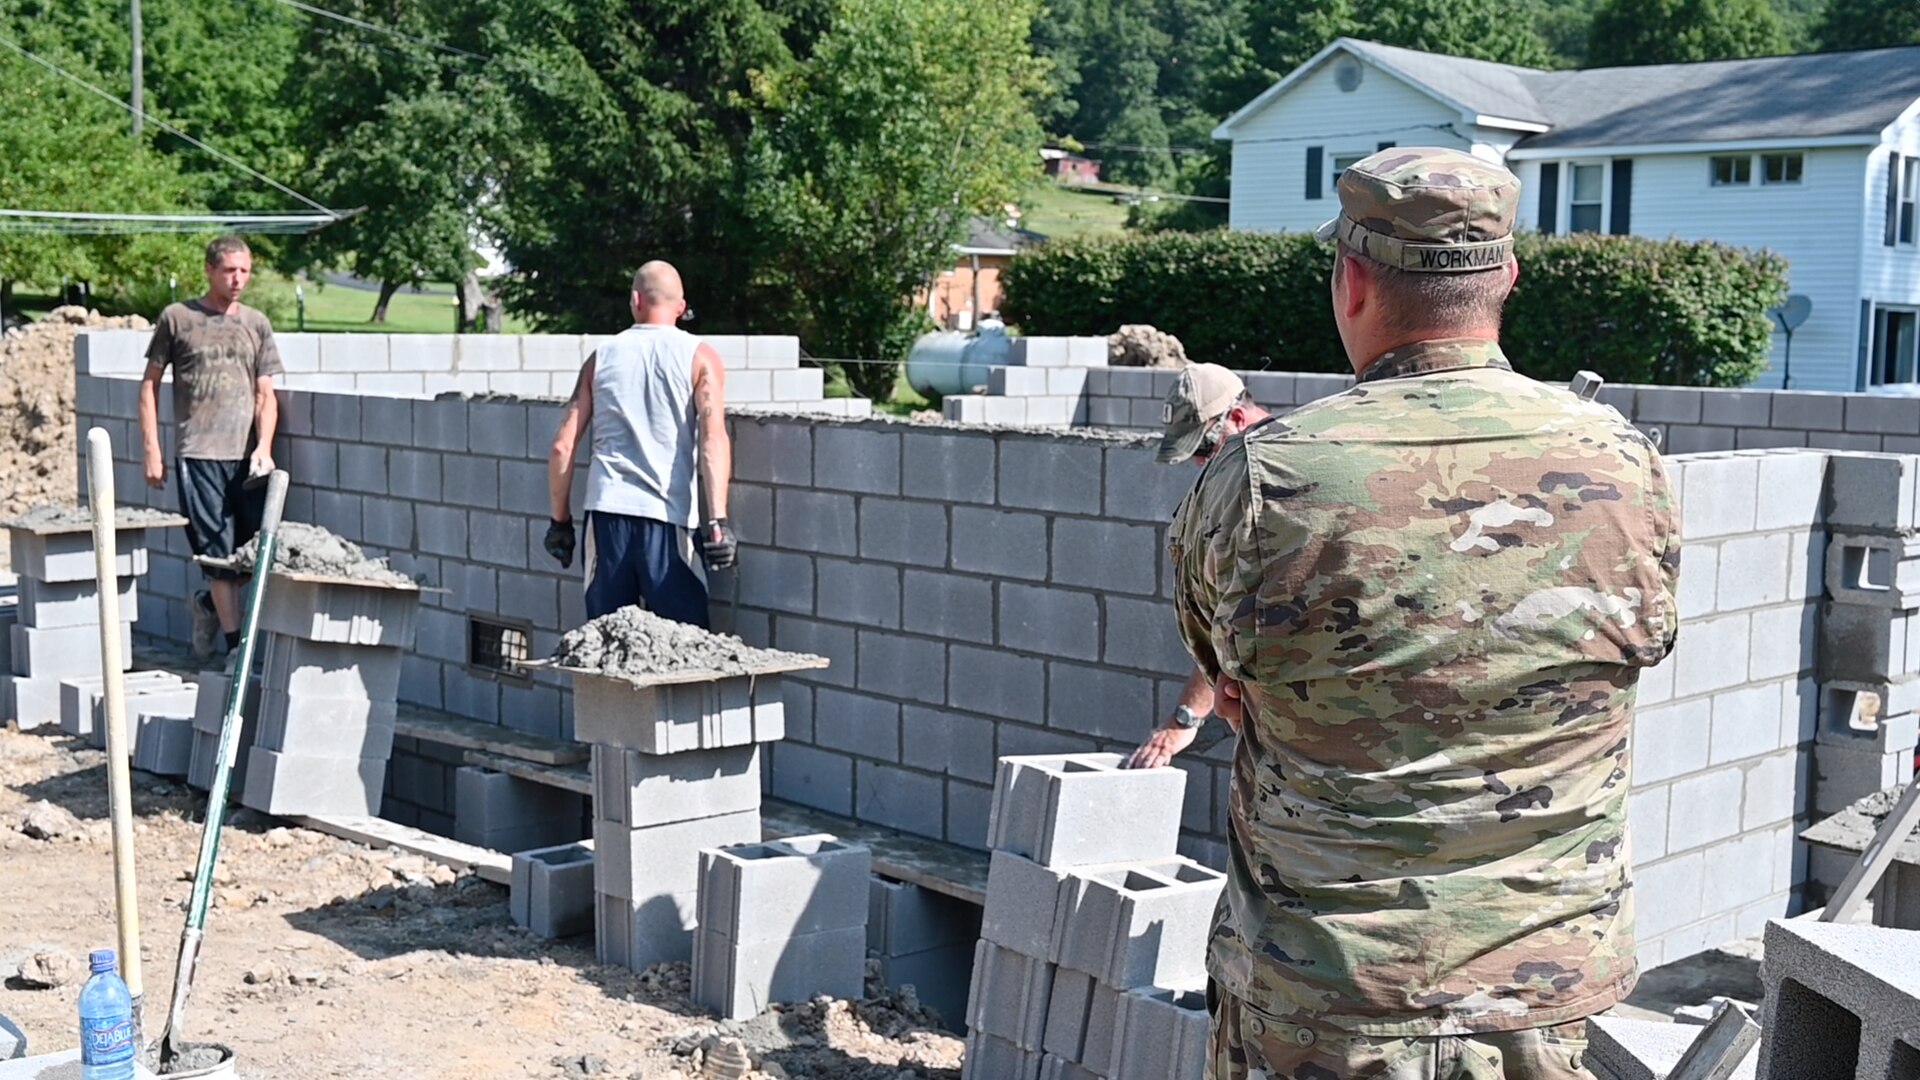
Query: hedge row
<point>1632,309</point>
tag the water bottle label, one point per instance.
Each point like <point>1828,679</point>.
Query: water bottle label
<point>106,1040</point>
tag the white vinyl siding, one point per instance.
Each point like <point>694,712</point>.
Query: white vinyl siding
<point>1889,276</point>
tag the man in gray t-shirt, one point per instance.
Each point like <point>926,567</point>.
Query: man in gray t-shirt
<point>224,361</point>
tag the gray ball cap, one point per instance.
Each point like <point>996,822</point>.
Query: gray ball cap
<point>1200,396</point>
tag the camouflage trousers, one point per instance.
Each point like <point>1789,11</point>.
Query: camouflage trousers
<point>1248,1044</point>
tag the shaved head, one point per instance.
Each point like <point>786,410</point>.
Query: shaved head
<point>658,283</point>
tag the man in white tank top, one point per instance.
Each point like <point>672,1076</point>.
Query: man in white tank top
<point>654,399</point>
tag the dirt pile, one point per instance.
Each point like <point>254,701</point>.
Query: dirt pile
<point>1139,345</point>
<point>310,549</point>
<point>632,643</point>
<point>36,407</point>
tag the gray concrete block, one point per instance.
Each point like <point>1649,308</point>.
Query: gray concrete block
<point>857,723</point>
<point>780,889</point>
<point>1109,412</point>
<point>1163,1035</point>
<point>912,668</point>
<point>948,606</point>
<point>492,805</point>
<point>210,704</point>
<point>552,890</point>
<point>1106,555</point>
<point>856,459</point>
<point>634,864</point>
<point>326,727</point>
<point>1023,908</point>
<point>1863,644</point>
<point>173,698</point>
<point>676,718</point>
<point>1871,492</point>
<point>290,786</point>
<point>949,468</point>
<point>1141,636</point>
<point>58,606</point>
<point>896,530</point>
<point>740,980</point>
<point>1667,405</point>
<point>640,934</point>
<point>1792,491</point>
<point>813,777</point>
<point>1736,408</point>
<point>1142,925</point>
<point>940,741</point>
<point>163,743</point>
<point>996,683</point>
<point>999,543</point>
<point>990,1057</point>
<point>80,697</point>
<point>940,978</point>
<point>328,669</point>
<point>1808,411</point>
<point>1841,1000</point>
<point>1067,1005</point>
<point>1874,570</point>
<point>341,613</point>
<point>1719,497</point>
<point>904,919</point>
<point>1862,714</point>
<point>1016,381</point>
<point>500,539</point>
<point>968,808</point>
<point>1051,622</point>
<point>1059,811</point>
<point>780,580</point>
<point>1619,1048</point>
<point>61,654</point>
<point>815,521</point>
<point>1010,995</point>
<point>1842,774</point>
<point>68,557</point>
<point>864,593</point>
<point>1056,475</point>
<point>638,790</point>
<point>1882,414</point>
<point>899,799</point>
<point>33,703</point>
<point>776,451</point>
<point>1141,489</point>
<point>1100,701</point>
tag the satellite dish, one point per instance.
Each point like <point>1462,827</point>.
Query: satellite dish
<point>1792,313</point>
<point>1347,74</point>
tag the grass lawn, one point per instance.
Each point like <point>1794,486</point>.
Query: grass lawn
<point>1061,212</point>
<point>338,309</point>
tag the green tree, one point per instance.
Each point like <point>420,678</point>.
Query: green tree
<point>1680,31</point>
<point>910,114</point>
<point>1869,24</point>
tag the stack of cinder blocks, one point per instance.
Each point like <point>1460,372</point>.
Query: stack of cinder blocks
<point>676,771</point>
<point>1870,635</point>
<point>330,677</point>
<point>1093,941</point>
<point>1042,384</point>
<point>159,717</point>
<point>784,920</point>
<point>924,940</point>
<point>1843,1003</point>
<point>506,813</point>
<point>55,635</point>
<point>209,709</point>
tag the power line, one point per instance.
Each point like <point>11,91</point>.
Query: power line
<point>86,223</point>
<point>163,125</point>
<point>378,29</point>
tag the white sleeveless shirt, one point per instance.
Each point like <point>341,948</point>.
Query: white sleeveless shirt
<point>644,460</point>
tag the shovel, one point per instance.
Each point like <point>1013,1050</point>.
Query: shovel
<point>171,1044</point>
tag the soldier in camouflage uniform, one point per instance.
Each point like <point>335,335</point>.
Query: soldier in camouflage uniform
<point>1427,602</point>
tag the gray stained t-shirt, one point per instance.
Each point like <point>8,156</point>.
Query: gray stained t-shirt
<point>215,359</point>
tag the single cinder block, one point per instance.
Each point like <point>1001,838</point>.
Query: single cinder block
<point>1163,1035</point>
<point>60,654</point>
<point>1876,570</point>
<point>176,699</point>
<point>341,612</point>
<point>34,703</point>
<point>1039,351</point>
<point>676,718</point>
<point>638,934</point>
<point>81,695</point>
<point>1843,774</point>
<point>303,668</point>
<point>66,557</point>
<point>990,1057</point>
<point>1010,995</point>
<point>1024,901</point>
<point>210,705</point>
<point>1067,1006</point>
<point>940,978</point>
<point>903,919</point>
<point>636,863</point>
<point>739,980</point>
<point>1863,644</point>
<point>784,888</point>
<point>326,727</point>
<point>1842,1001</point>
<point>163,742</point>
<point>48,605</point>
<point>1619,1048</point>
<point>1873,492</point>
<point>1053,1067</point>
<point>335,787</point>
<point>1063,810</point>
<point>1141,925</point>
<point>637,790</point>
<point>1879,715</point>
<point>491,808</point>
<point>552,890</point>
<point>1016,381</point>
<point>1103,1037</point>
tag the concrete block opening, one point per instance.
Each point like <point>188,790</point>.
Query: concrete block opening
<point>1134,881</point>
<point>1904,1063</point>
<point>498,647</point>
<point>1813,1036</point>
<point>1860,709</point>
<point>1867,568</point>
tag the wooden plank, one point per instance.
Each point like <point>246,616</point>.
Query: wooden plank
<point>676,678</point>
<point>493,866</point>
<point>1887,841</point>
<point>1851,830</point>
<point>948,869</point>
<point>449,730</point>
<point>163,521</point>
<point>575,778</point>
<point>326,579</point>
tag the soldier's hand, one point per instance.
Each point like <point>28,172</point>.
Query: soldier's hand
<point>1227,704</point>
<point>560,541</point>
<point>1161,746</point>
<point>718,544</point>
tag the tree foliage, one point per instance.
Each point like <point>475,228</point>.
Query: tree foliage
<point>1682,31</point>
<point>1869,24</point>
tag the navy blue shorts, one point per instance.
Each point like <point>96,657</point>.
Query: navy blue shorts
<point>635,560</point>
<point>222,514</point>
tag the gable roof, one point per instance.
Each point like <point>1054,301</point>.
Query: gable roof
<point>988,237</point>
<point>1786,98</point>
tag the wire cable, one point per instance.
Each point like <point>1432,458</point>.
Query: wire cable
<point>363,24</point>
<point>163,125</point>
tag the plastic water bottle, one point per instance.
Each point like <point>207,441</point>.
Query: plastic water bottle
<point>107,1043</point>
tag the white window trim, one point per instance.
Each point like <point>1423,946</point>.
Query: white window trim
<point>1757,170</point>
<point>1334,170</point>
<point>1877,343</point>
<point>1908,196</point>
<point>1565,224</point>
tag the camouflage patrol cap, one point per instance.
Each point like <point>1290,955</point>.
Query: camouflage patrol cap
<point>1427,209</point>
<point>1200,396</point>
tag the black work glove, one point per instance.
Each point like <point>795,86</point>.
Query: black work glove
<point>559,542</point>
<point>718,545</point>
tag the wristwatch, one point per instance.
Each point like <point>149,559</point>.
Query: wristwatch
<point>1187,718</point>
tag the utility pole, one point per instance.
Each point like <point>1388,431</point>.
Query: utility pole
<point>139,76</point>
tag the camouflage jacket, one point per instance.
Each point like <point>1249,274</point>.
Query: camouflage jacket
<point>1438,590</point>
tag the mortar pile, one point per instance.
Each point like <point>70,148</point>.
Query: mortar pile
<point>310,549</point>
<point>634,643</point>
<point>51,516</point>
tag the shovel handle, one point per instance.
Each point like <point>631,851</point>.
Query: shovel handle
<point>114,705</point>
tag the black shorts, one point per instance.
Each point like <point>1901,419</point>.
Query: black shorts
<point>220,514</point>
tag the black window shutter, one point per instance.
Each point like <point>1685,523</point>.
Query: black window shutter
<point>1549,197</point>
<point>1866,345</point>
<point>1316,170</point>
<point>1621,214</point>
<point>1385,146</point>
<point>1892,236</point>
